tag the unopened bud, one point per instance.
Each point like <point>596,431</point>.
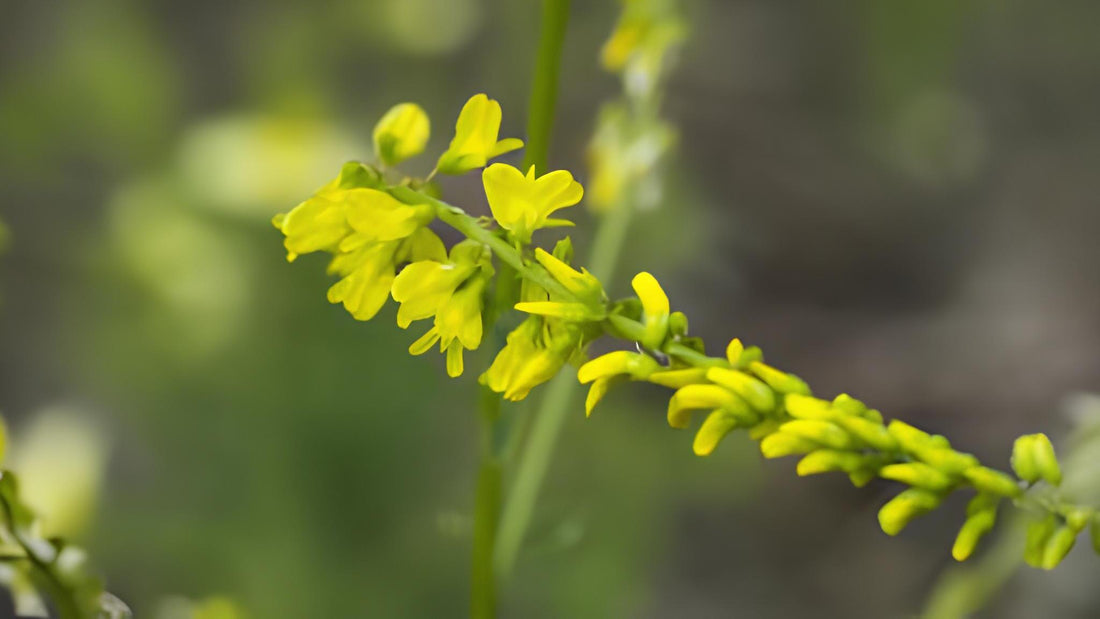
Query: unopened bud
<point>823,433</point>
<point>756,393</point>
<point>917,474</point>
<point>781,444</point>
<point>716,426</point>
<point>902,509</point>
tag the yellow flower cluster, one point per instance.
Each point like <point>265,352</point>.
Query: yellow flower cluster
<point>381,245</point>
<point>843,435</point>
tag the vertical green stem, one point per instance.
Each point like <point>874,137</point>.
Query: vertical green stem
<point>544,86</point>
<point>540,122</point>
<point>558,400</point>
<point>486,513</point>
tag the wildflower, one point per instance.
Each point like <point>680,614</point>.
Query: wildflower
<point>533,354</point>
<point>369,270</point>
<point>475,141</point>
<point>1033,458</point>
<point>321,222</point>
<point>451,291</point>
<point>401,133</point>
<point>522,203</point>
<point>581,284</point>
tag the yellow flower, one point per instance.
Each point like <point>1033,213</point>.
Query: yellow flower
<point>457,325</point>
<point>522,204</point>
<point>582,284</point>
<point>475,141</point>
<point>401,133</point>
<point>450,290</point>
<point>375,215</point>
<point>318,224</point>
<point>321,222</point>
<point>534,353</point>
<point>368,271</point>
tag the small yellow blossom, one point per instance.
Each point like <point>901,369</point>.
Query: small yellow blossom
<point>401,133</point>
<point>535,351</point>
<point>368,271</point>
<point>377,216</point>
<point>452,291</point>
<point>475,141</point>
<point>321,222</point>
<point>522,203</point>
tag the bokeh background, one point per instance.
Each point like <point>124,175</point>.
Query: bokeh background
<point>896,200</point>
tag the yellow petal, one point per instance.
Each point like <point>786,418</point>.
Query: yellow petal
<point>653,297</point>
<point>365,289</point>
<point>401,133</point>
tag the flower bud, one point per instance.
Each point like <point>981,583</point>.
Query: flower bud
<point>695,397</point>
<point>1038,532</point>
<point>763,429</point>
<point>825,460</point>
<point>1033,458</point>
<point>972,531</point>
<point>823,433</point>
<point>401,133</point>
<point>849,405</point>
<point>634,364</point>
<point>1058,546</point>
<point>1077,519</point>
<point>1023,459</point>
<point>716,426</point>
<point>862,477</point>
<point>756,393</point>
<point>947,460</point>
<point>902,509</point>
<point>909,438</point>
<point>781,444</point>
<point>806,407</point>
<point>655,309</point>
<point>992,481</point>
<point>570,312</point>
<point>678,324</point>
<point>581,283</point>
<point>778,380</point>
<point>874,434</point>
<point>674,379</point>
<point>734,351</point>
<point>596,392</point>
<point>917,474</point>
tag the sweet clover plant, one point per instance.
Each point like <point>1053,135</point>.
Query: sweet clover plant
<point>376,223</point>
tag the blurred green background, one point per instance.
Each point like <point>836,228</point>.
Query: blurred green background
<point>897,200</point>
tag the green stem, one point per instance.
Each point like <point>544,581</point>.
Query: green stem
<point>544,86</point>
<point>486,513</point>
<point>553,409</point>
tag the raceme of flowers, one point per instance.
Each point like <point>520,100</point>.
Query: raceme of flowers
<point>377,232</point>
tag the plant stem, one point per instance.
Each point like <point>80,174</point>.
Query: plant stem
<point>559,399</point>
<point>486,513</point>
<point>540,122</point>
<point>544,84</point>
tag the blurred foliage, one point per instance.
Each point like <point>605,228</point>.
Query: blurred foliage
<point>904,197</point>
